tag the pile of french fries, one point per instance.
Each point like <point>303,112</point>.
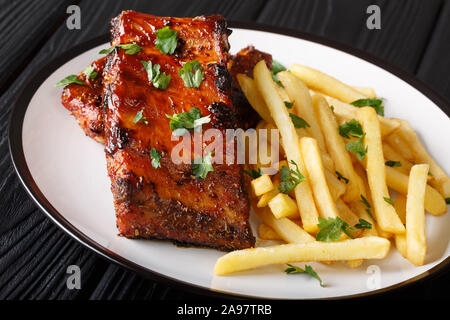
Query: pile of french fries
<point>337,183</point>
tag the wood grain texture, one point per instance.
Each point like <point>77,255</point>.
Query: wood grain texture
<point>34,253</point>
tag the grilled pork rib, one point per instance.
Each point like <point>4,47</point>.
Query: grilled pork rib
<point>169,202</point>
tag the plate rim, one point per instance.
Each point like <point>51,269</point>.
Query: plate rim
<point>30,87</point>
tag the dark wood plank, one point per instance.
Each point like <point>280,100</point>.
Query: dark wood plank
<point>405,25</point>
<point>435,65</point>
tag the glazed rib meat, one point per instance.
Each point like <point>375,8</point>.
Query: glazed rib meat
<point>169,202</point>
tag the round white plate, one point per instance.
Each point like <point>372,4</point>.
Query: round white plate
<point>65,173</point>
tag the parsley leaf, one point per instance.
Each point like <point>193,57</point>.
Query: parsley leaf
<point>357,147</point>
<point>130,48</point>
<point>308,269</point>
<point>374,103</point>
<point>154,75</point>
<point>430,174</point>
<point>277,67</point>
<point>254,173</point>
<point>447,200</point>
<point>166,40</point>
<point>363,224</point>
<point>187,120</point>
<point>330,229</point>
<point>389,200</point>
<point>393,163</point>
<point>156,157</point>
<point>298,122</point>
<point>68,80</point>
<point>288,104</point>
<point>290,178</point>
<point>90,72</point>
<point>341,177</point>
<point>364,200</point>
<point>351,128</point>
<point>201,169</point>
<point>140,117</point>
<point>192,74</point>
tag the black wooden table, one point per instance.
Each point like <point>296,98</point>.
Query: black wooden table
<point>34,253</point>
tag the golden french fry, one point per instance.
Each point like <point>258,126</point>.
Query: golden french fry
<point>440,179</point>
<point>288,230</point>
<point>336,147</point>
<point>314,166</point>
<point>400,244</point>
<point>326,84</point>
<point>368,92</point>
<point>434,201</point>
<point>385,214</point>
<point>362,248</point>
<point>346,112</point>
<point>355,263</point>
<point>280,115</point>
<point>345,213</point>
<point>361,210</point>
<point>283,206</point>
<point>253,96</point>
<point>299,94</point>
<point>392,155</point>
<point>327,162</point>
<point>400,239</point>
<point>267,233</point>
<point>262,185</point>
<point>337,187</point>
<point>399,144</point>
<point>416,242</point>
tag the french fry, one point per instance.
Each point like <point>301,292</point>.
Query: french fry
<point>440,179</point>
<point>360,209</point>
<point>327,162</point>
<point>399,144</point>
<point>416,242</point>
<point>267,233</point>
<point>326,84</point>
<point>288,230</point>
<point>253,96</point>
<point>391,154</point>
<point>355,263</point>
<point>434,201</point>
<point>299,94</point>
<point>336,147</point>
<point>262,185</point>
<point>314,166</point>
<point>345,213</point>
<point>280,115</point>
<point>368,92</point>
<point>362,248</point>
<point>400,239</point>
<point>283,206</point>
<point>346,112</point>
<point>386,216</point>
<point>337,187</point>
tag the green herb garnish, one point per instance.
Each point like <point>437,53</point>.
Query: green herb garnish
<point>156,157</point>
<point>159,79</point>
<point>341,177</point>
<point>351,128</point>
<point>90,72</point>
<point>130,48</point>
<point>254,173</point>
<point>447,200</point>
<point>367,204</point>
<point>330,229</point>
<point>363,224</point>
<point>68,80</point>
<point>288,104</point>
<point>308,269</point>
<point>204,165</point>
<point>357,147</point>
<point>298,122</point>
<point>277,67</point>
<point>192,119</point>
<point>389,200</point>
<point>166,40</point>
<point>393,163</point>
<point>374,103</point>
<point>140,117</point>
<point>192,74</point>
<point>290,178</point>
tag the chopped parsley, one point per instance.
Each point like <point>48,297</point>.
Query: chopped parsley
<point>140,117</point>
<point>277,67</point>
<point>254,173</point>
<point>192,74</point>
<point>160,80</point>
<point>357,147</point>
<point>330,229</point>
<point>393,163</point>
<point>90,72</point>
<point>389,200</point>
<point>363,224</point>
<point>192,119</point>
<point>447,200</point>
<point>68,80</point>
<point>374,103</point>
<point>166,40</point>
<point>156,157</point>
<point>298,122</point>
<point>341,177</point>
<point>130,48</point>
<point>288,104</point>
<point>308,269</point>
<point>290,178</point>
<point>367,204</point>
<point>351,128</point>
<point>204,165</point>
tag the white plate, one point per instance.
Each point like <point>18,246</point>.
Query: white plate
<point>65,173</point>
